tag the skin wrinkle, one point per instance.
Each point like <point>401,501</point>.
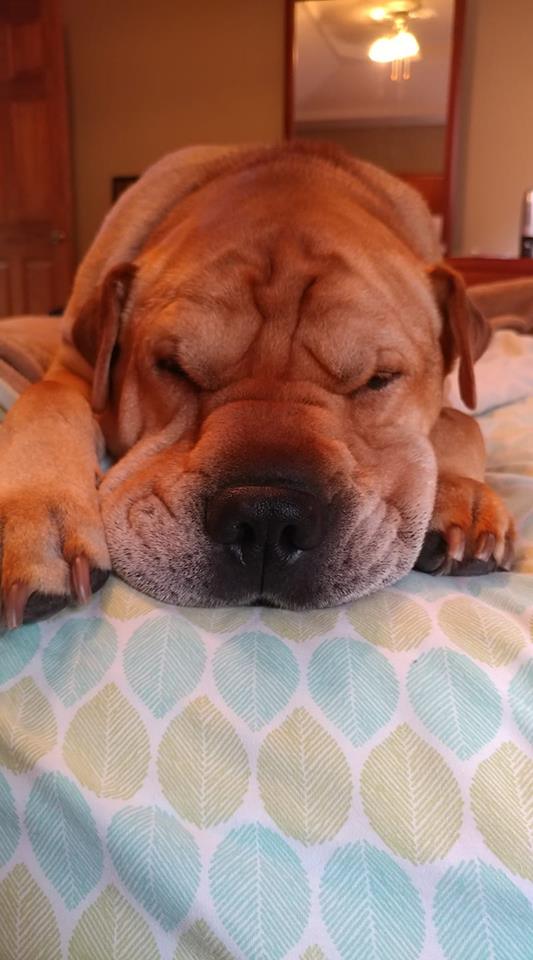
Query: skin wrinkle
<point>304,294</point>
<point>330,374</point>
<point>409,345</point>
<point>263,313</point>
<point>161,499</point>
<point>299,318</point>
<point>264,290</point>
<point>236,362</point>
<point>399,276</point>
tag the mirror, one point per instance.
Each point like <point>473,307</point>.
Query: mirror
<point>495,135</point>
<point>392,113</point>
<point>458,128</point>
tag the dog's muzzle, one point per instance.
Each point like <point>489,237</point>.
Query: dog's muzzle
<point>264,529</point>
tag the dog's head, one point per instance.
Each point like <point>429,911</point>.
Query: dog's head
<point>268,372</point>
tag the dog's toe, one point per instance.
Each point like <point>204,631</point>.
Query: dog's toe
<point>21,606</point>
<point>53,552</point>
<point>471,531</point>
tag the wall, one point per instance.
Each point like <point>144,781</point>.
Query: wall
<point>148,76</point>
<point>410,149</point>
<point>496,141</point>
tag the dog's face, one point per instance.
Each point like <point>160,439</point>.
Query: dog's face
<point>279,370</point>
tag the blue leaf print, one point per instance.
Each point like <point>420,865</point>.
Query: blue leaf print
<point>78,656</point>
<point>455,699</point>
<point>521,700</point>
<point>369,905</point>
<point>17,647</point>
<point>64,837</point>
<point>9,822</point>
<point>355,686</point>
<point>257,674</point>
<point>157,860</point>
<point>479,912</point>
<point>260,892</point>
<point>164,661</point>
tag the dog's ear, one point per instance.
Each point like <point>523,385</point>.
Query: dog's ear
<point>96,329</point>
<point>465,332</point>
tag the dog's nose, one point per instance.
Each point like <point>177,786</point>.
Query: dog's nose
<point>252,519</point>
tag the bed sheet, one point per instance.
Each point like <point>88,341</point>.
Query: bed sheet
<point>252,784</point>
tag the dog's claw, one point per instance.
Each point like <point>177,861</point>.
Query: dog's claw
<point>14,605</point>
<point>81,579</point>
<point>456,541</point>
<point>485,546</point>
<point>508,555</point>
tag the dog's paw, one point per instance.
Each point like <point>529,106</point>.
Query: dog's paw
<point>52,549</point>
<point>471,531</point>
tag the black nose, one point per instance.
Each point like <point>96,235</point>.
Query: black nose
<point>253,520</point>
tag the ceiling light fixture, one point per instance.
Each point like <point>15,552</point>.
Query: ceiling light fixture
<point>399,47</point>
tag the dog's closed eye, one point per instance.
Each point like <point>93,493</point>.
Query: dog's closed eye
<point>172,366</point>
<point>381,380</point>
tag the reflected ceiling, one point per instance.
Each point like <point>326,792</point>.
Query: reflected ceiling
<point>336,83</point>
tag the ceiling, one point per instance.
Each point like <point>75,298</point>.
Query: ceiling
<point>337,84</point>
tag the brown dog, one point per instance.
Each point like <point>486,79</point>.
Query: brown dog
<point>267,368</point>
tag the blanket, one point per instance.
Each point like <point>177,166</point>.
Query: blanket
<point>27,345</point>
<point>255,784</point>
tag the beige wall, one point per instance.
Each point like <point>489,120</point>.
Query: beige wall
<point>496,155</point>
<point>148,76</point>
<point>411,149</point>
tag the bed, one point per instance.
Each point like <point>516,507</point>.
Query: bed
<point>252,784</point>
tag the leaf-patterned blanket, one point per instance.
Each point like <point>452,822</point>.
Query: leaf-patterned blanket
<point>256,785</point>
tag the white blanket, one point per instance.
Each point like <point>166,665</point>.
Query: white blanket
<point>504,374</point>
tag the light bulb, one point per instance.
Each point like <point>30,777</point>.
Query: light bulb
<point>404,44</point>
<point>399,46</point>
<point>381,50</point>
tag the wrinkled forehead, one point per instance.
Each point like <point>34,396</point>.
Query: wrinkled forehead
<point>292,254</point>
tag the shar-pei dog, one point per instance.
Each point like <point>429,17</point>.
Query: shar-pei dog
<point>259,337</point>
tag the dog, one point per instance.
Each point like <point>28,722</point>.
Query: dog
<point>259,336</point>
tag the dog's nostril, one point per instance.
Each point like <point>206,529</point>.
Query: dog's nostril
<point>253,518</point>
<point>301,536</point>
<point>245,534</point>
<point>288,538</point>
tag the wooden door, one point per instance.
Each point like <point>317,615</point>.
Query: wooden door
<point>36,237</point>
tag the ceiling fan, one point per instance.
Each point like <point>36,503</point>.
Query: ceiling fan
<point>399,46</point>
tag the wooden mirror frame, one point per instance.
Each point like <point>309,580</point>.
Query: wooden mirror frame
<point>474,269</point>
